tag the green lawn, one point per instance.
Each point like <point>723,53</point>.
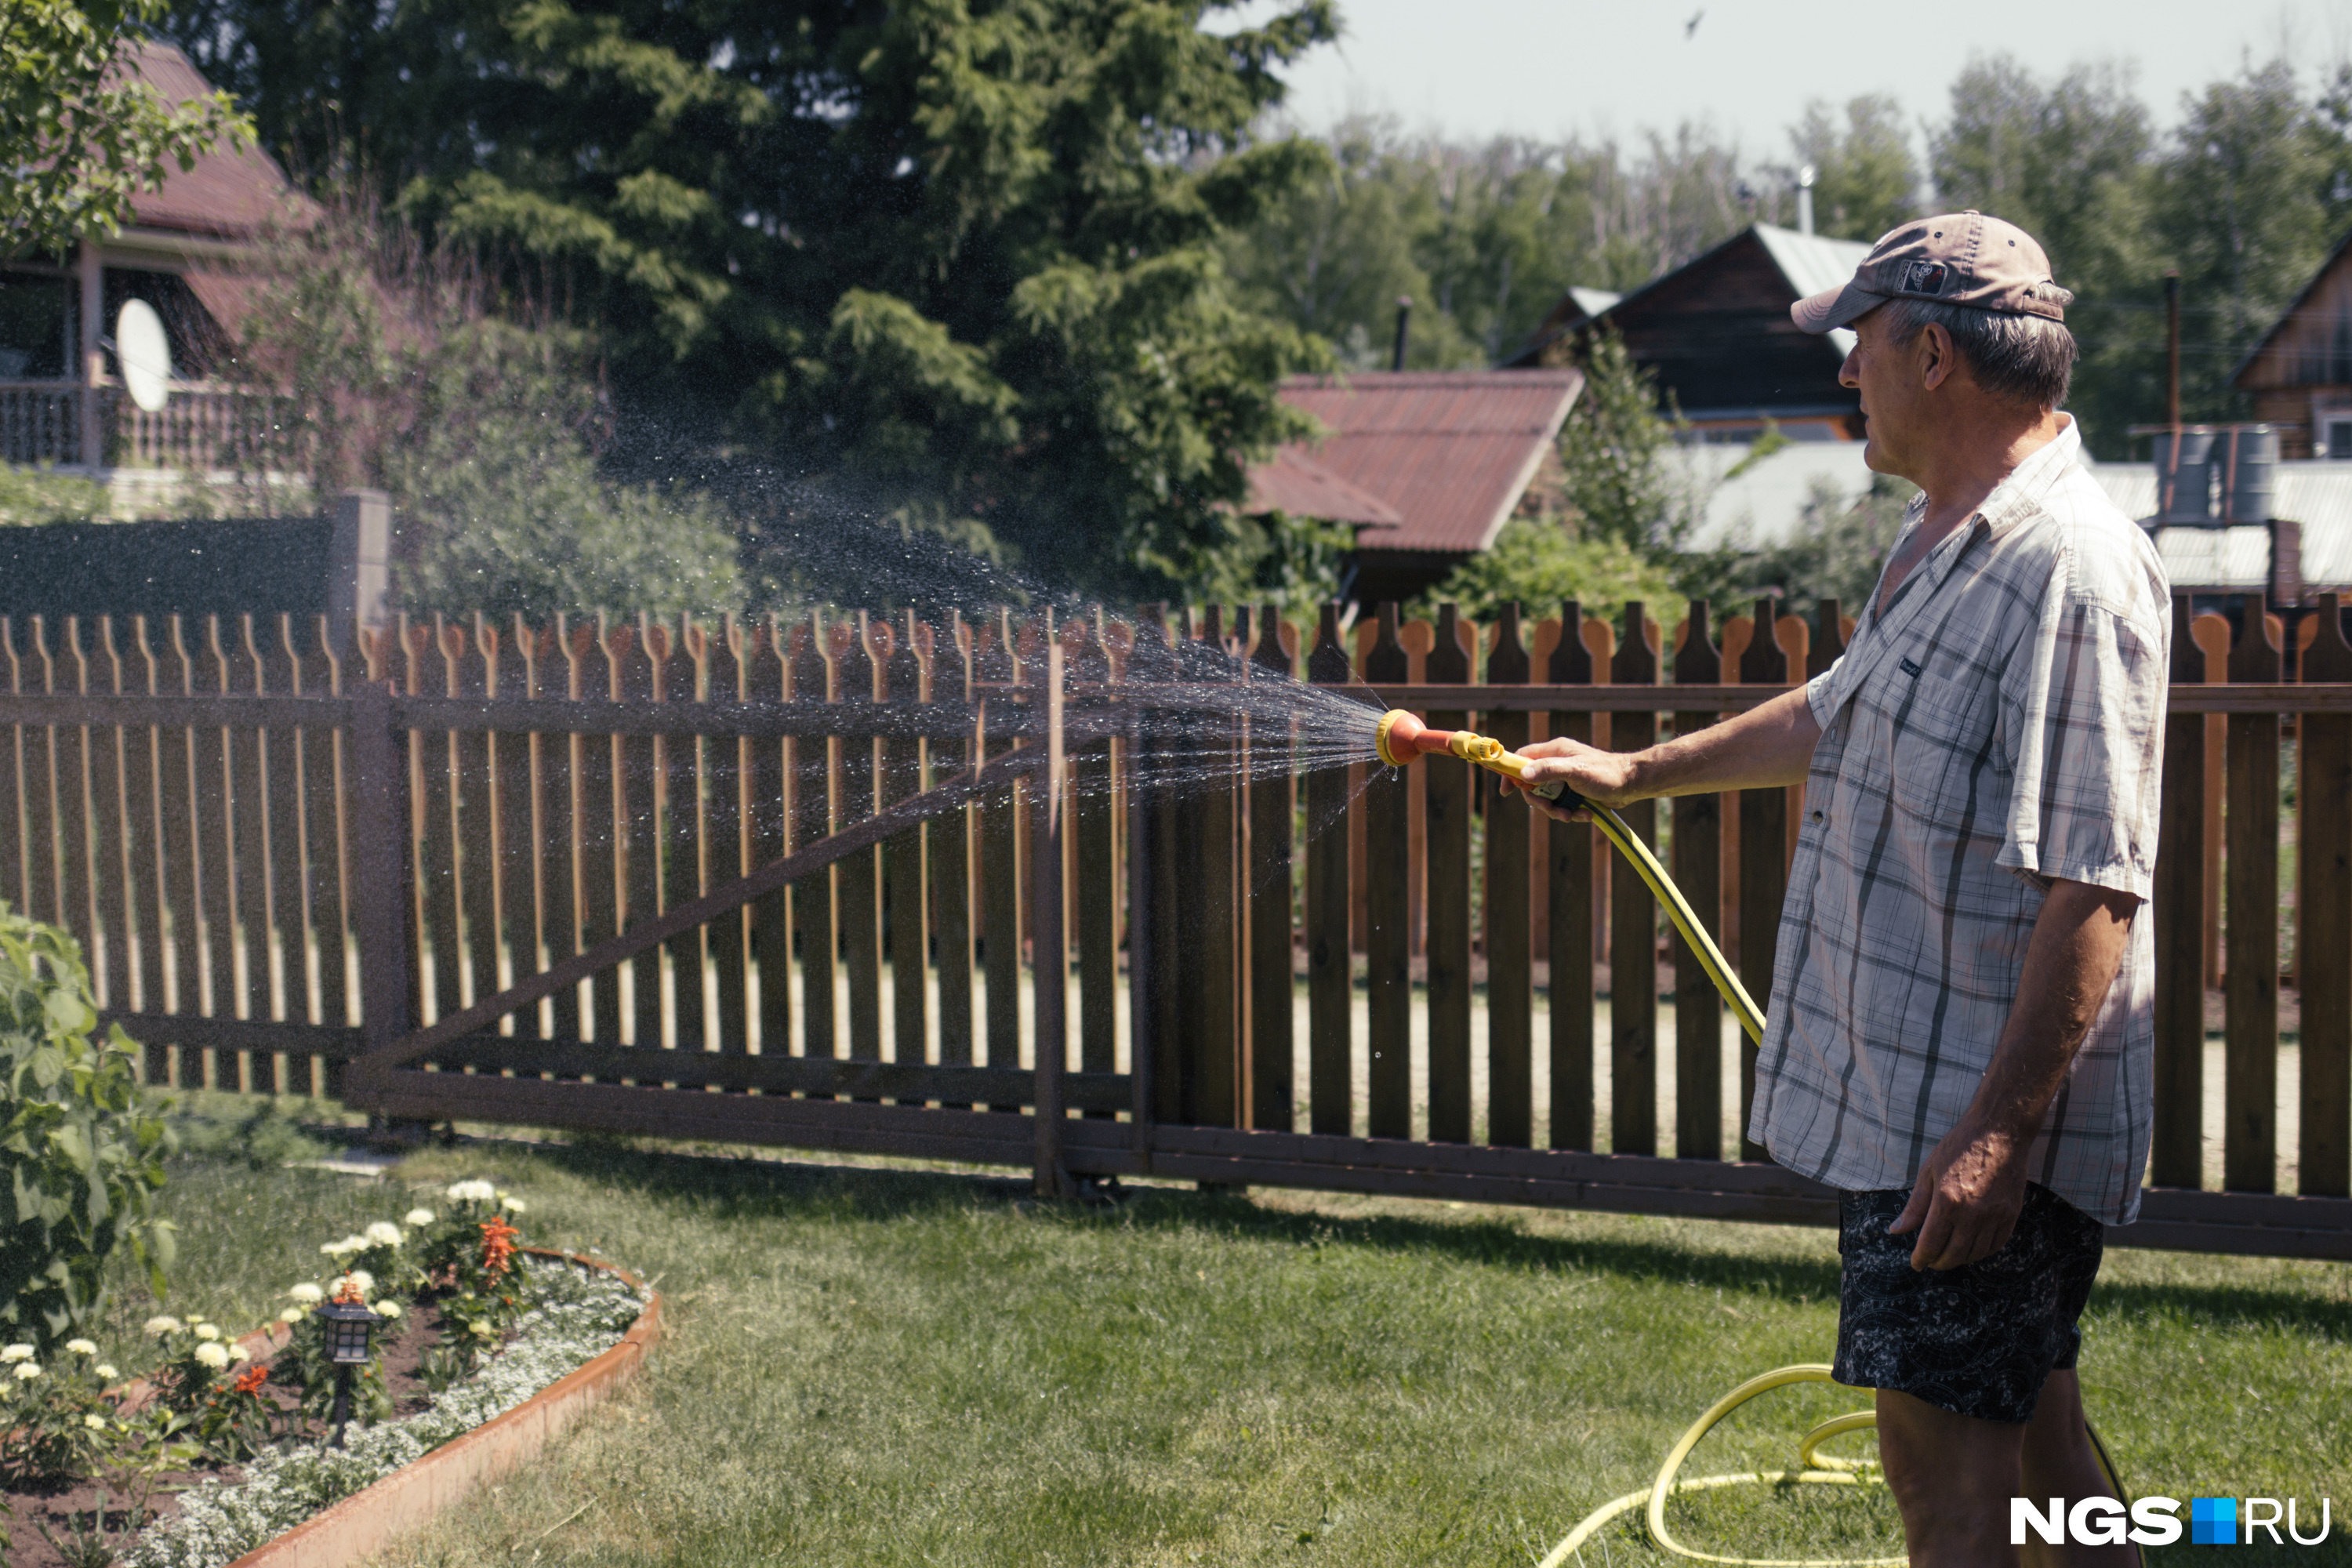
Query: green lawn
<point>894,1366</point>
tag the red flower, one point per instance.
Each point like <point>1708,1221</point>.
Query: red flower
<point>498,1245</point>
<point>250,1380</point>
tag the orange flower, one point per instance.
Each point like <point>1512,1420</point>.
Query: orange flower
<point>497,1246</point>
<point>250,1380</point>
<point>349,1290</point>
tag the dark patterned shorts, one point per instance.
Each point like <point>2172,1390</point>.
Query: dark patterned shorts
<point>1978,1340</point>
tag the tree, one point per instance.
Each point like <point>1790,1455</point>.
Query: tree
<point>1615,450</point>
<point>79,136</point>
<point>953,259</point>
<point>1866,179</point>
<point>1537,562</point>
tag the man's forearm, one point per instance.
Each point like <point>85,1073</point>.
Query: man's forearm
<point>2069,962</point>
<point>1770,745</point>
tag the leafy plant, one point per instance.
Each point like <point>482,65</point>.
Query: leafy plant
<point>81,1154</point>
<point>1536,563</point>
<point>54,1419</point>
<point>36,496</point>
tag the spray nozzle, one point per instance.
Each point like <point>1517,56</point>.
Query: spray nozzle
<point>1402,737</point>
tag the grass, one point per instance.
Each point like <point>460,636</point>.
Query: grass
<point>872,1365</point>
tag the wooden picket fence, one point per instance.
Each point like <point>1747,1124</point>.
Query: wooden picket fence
<point>834,883</point>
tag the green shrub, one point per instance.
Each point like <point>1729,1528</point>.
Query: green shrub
<point>80,1155</point>
<point>32,497</point>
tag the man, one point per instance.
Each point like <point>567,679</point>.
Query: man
<point>1961,1029</point>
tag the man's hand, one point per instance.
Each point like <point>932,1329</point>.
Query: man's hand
<point>1606,778</point>
<point>1970,1189</point>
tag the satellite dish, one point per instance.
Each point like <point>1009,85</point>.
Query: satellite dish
<point>144,355</point>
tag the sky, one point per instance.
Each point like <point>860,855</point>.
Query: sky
<point>1475,69</point>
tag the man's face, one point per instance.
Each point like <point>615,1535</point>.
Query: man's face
<point>1896,409</point>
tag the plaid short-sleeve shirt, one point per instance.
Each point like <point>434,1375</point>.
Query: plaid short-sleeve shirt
<point>2001,725</point>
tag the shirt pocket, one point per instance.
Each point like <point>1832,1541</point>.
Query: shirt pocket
<point>1940,714</point>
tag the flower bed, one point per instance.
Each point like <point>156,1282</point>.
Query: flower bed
<point>476,1328</point>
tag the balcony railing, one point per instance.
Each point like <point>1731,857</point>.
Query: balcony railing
<point>201,428</point>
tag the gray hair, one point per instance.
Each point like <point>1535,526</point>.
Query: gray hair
<point>2029,358</point>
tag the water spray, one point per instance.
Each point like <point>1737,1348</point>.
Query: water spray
<point>1401,738</point>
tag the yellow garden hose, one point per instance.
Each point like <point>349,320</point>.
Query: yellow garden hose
<point>1401,738</point>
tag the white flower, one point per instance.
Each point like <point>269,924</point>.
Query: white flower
<point>159,1327</point>
<point>308,1295</point>
<point>418,1217</point>
<point>16,1353</point>
<point>213,1355</point>
<point>472,1193</point>
<point>27,1371</point>
<point>205,1331</point>
<point>516,1206</point>
<point>292,1315</point>
<point>383,1233</point>
<point>363,1278</point>
<point>95,1423</point>
<point>346,1246</point>
<point>387,1310</point>
<point>81,1347</point>
<point>239,1352</point>
<point>105,1370</point>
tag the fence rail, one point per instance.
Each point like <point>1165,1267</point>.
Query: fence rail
<point>1032,894</point>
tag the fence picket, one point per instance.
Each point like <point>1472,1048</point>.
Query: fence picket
<point>2324,908</point>
<point>768,820</point>
<point>2250,979</point>
<point>1763,863</point>
<point>596,760</point>
<point>813,791</point>
<point>999,665</point>
<point>901,677</point>
<point>1330,978</point>
<point>857,878</point>
<point>1448,792</point>
<point>727,846</point>
<point>1698,871</point>
<point>1510,968</point>
<point>951,859</point>
<point>1569,863</point>
<point>2179,1152</point>
<point>286,950</point>
<point>1268,891</point>
<point>1093,807</point>
<point>1632,919</point>
<point>678,805</point>
<point>522,819</point>
<point>1388,933</point>
<point>146,856</point>
<point>183,872</point>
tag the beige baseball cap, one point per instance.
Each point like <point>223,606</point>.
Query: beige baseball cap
<point>1959,258</point>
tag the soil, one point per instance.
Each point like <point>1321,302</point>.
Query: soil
<point>62,1508</point>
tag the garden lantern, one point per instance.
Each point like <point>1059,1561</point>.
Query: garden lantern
<point>349,1327</point>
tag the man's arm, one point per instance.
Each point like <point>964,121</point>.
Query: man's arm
<point>1972,1185</point>
<point>1768,744</point>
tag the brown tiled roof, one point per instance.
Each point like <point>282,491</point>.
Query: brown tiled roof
<point>1449,452</point>
<point>1294,482</point>
<point>230,192</point>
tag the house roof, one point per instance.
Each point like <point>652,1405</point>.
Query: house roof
<point>1448,452</point>
<point>2318,276</point>
<point>1293,482</point>
<point>1807,263</point>
<point>230,192</point>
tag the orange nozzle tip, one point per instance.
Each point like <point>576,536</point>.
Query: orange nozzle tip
<point>1395,750</point>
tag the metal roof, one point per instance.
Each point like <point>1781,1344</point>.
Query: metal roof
<point>1291,481</point>
<point>1759,508</point>
<point>2315,493</point>
<point>1593,301</point>
<point>231,191</point>
<point>1450,452</point>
